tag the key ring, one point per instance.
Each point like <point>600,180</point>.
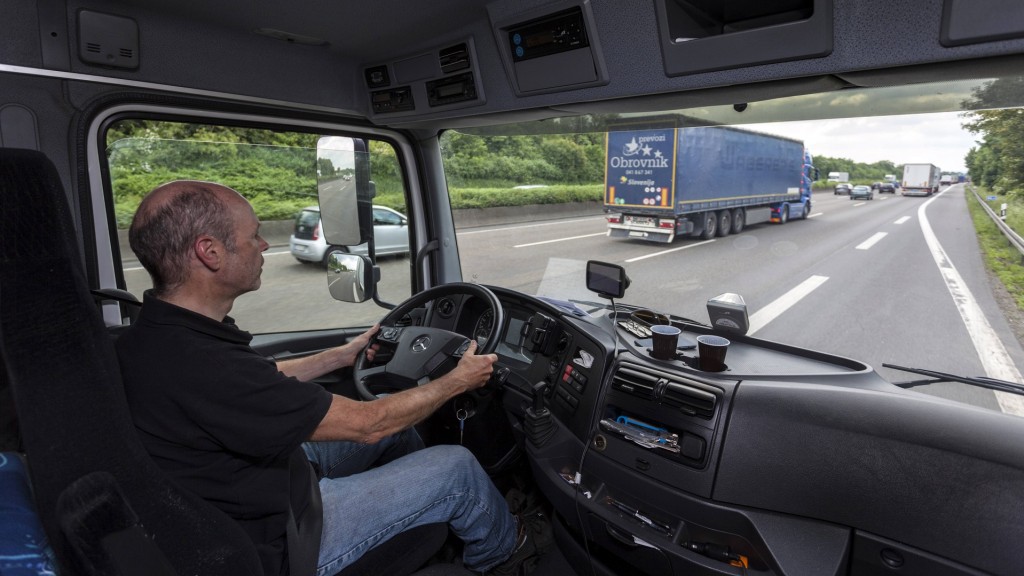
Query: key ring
<point>461,414</point>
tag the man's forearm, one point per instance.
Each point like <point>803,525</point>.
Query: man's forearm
<point>369,422</point>
<point>310,367</point>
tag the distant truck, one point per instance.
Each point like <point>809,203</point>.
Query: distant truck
<point>838,176</point>
<point>707,182</point>
<point>890,178</point>
<point>947,179</point>
<point>920,179</point>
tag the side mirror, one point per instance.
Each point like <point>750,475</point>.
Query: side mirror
<point>350,278</point>
<point>345,204</point>
<point>608,280</point>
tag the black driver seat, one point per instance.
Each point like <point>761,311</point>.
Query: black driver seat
<point>105,506</point>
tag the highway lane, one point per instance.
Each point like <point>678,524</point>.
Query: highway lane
<point>856,279</point>
<point>873,291</point>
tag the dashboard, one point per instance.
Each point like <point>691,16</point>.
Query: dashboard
<point>785,459</point>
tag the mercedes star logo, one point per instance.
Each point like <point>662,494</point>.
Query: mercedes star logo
<point>420,344</point>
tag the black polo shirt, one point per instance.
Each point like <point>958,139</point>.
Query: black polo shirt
<point>220,418</point>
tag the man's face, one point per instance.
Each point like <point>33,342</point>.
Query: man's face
<point>245,262</point>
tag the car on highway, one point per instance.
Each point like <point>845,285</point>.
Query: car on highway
<point>832,434</point>
<point>841,188</point>
<point>862,192</point>
<point>886,188</point>
<point>308,243</point>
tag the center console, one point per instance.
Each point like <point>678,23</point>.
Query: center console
<point>631,465</point>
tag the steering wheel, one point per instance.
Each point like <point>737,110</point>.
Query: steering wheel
<point>418,352</point>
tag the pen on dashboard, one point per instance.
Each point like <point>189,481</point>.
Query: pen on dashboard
<point>643,519</point>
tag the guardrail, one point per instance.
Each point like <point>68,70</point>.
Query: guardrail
<point>1014,239</point>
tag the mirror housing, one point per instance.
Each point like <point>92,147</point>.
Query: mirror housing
<point>351,278</point>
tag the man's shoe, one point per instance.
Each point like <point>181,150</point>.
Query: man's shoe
<point>524,559</point>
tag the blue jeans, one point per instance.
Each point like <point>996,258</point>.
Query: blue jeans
<point>409,486</point>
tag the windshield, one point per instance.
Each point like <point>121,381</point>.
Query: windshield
<point>896,274</point>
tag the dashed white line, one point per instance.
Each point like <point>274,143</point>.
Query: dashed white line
<point>993,355</point>
<point>559,240</point>
<point>816,214</point>
<point>551,223</point>
<point>867,244</point>
<point>663,252</point>
<point>772,311</point>
<point>902,220</point>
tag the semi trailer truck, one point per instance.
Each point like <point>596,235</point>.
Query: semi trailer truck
<point>702,181</point>
<point>920,179</point>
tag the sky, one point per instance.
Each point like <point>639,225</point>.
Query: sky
<point>935,138</point>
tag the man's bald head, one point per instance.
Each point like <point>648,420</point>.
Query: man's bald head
<point>170,219</point>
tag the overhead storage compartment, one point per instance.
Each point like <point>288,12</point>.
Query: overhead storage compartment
<point>707,35</point>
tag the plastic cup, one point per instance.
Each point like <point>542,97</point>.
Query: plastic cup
<point>711,352</point>
<point>664,340</point>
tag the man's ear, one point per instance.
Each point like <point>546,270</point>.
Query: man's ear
<point>209,251</point>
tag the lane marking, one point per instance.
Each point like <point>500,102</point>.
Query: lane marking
<point>559,240</point>
<point>860,204</point>
<point>772,311</point>
<point>816,214</point>
<point>552,223</point>
<point>669,251</point>
<point>902,220</point>
<point>867,244</point>
<point>993,355</point>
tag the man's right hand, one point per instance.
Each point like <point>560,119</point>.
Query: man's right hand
<point>473,369</point>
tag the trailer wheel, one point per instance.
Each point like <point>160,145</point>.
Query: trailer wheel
<point>724,223</point>
<point>739,217</point>
<point>710,225</point>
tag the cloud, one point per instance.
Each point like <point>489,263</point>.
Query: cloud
<point>933,138</point>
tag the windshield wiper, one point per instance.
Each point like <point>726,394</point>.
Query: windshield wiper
<point>935,377</point>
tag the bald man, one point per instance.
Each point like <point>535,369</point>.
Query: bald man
<point>263,443</point>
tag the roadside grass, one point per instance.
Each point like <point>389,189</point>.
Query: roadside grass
<point>1000,256</point>
<point>496,196</point>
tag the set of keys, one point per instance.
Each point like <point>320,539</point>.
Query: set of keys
<point>461,414</point>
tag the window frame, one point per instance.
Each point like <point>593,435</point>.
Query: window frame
<point>99,226</point>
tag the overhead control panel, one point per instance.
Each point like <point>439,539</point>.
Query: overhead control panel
<point>551,49</point>
<point>441,79</point>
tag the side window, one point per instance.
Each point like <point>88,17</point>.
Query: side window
<point>276,171</point>
<point>386,218</point>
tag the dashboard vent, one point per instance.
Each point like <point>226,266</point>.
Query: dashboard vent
<point>635,382</point>
<point>691,398</point>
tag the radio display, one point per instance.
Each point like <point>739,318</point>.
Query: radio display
<point>552,34</point>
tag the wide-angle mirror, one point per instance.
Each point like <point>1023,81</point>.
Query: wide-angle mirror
<point>350,277</point>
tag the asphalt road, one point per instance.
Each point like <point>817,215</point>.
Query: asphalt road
<point>858,279</point>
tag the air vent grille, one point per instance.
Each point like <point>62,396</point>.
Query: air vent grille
<point>635,382</point>
<point>691,398</point>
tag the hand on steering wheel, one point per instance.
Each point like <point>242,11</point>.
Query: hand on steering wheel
<point>421,353</point>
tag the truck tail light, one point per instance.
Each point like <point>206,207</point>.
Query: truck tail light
<point>615,218</point>
<point>662,223</point>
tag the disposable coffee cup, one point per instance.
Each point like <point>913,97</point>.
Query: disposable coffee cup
<point>711,352</point>
<point>664,340</point>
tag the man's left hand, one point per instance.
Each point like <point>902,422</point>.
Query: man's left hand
<point>350,350</point>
